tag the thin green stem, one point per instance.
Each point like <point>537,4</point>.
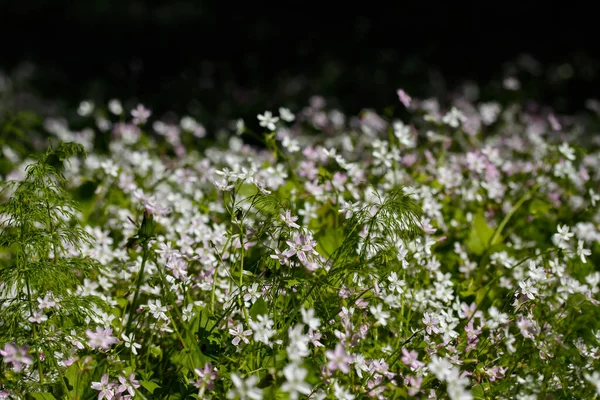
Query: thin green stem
<point>138,286</point>
<point>508,216</point>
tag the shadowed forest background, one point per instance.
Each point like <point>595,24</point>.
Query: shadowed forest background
<point>220,61</point>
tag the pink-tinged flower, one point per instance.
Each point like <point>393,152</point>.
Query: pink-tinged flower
<point>47,302</point>
<point>431,323</point>
<point>240,334</point>
<point>206,376</point>
<point>301,245</point>
<point>102,338</point>
<point>556,126</point>
<point>314,338</point>
<point>140,114</point>
<point>16,355</point>
<point>404,98</point>
<point>496,373</point>
<point>283,260</point>
<point>128,385</point>
<point>105,388</point>
<point>415,385</point>
<point>408,160</point>
<point>38,317</point>
<point>289,219</point>
<point>466,311</point>
<point>338,359</point>
<point>238,244</point>
<point>411,359</point>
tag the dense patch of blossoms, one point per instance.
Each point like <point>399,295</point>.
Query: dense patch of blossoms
<point>274,270</point>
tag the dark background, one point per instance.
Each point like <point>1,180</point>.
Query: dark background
<point>224,59</point>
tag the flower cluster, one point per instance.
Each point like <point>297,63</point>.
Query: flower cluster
<point>454,255</point>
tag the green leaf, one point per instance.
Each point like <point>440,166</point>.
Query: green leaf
<point>42,396</point>
<point>477,392</point>
<point>80,379</point>
<point>324,173</point>
<point>481,295</point>
<point>206,323</point>
<point>480,235</point>
<point>539,207</point>
<point>467,288</point>
<point>329,241</point>
<point>190,356</point>
<point>156,351</point>
<point>149,386</point>
<point>291,282</point>
<point>259,308</point>
<point>284,192</point>
<point>247,190</point>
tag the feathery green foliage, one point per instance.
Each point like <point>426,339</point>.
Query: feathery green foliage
<point>39,230</point>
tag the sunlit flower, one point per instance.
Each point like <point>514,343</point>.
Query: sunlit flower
<point>338,359</point>
<point>102,338</point>
<point>286,115</point>
<point>404,98</point>
<point>245,389</point>
<point>140,114</point>
<point>105,388</point>
<point>18,356</point>
<point>267,120</point>
<point>129,342</point>
<point>294,381</point>
<point>239,334</point>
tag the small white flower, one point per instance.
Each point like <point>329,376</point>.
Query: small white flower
<point>441,368</point>
<point>245,389</point>
<point>511,83</point>
<point>594,197</point>
<point>263,329</point>
<point>528,289</point>
<point>581,252</point>
<point>188,123</point>
<point>594,379</point>
<point>129,342</point>
<point>115,107</point>
<point>489,112</point>
<point>85,108</point>
<point>562,237</point>
<point>308,317</point>
<point>38,317</point>
<point>239,126</point>
<point>268,120</point>
<point>110,168</point>
<point>567,151</point>
<point>380,315</point>
<point>286,114</point>
<point>290,145</point>
<point>294,384</point>
<point>454,118</point>
<point>341,393</point>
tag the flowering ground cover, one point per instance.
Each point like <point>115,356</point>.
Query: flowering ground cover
<point>430,251</point>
